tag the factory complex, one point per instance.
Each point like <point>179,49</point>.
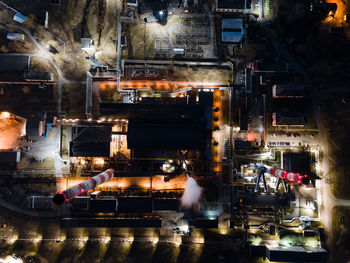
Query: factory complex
<point>168,134</point>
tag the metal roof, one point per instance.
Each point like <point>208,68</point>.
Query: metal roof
<point>232,30</point>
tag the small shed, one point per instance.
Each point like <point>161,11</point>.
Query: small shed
<point>87,44</point>
<point>15,36</point>
<point>18,17</point>
<point>131,2</point>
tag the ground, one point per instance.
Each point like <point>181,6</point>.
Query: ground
<point>336,113</point>
<point>321,53</point>
<point>44,241</point>
<point>341,233</point>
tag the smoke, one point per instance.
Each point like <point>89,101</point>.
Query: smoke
<point>192,194</point>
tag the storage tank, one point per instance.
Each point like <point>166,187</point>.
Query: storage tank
<point>83,187</point>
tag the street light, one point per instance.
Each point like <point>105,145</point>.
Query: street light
<point>161,13</point>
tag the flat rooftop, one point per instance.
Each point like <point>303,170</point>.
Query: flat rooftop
<point>176,133</point>
<point>138,110</point>
<point>14,63</point>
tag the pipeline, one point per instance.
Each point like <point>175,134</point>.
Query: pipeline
<point>70,193</point>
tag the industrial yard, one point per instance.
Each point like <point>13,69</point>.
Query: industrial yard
<point>180,131</point>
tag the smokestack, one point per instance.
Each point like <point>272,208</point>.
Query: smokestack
<point>289,176</point>
<point>83,187</point>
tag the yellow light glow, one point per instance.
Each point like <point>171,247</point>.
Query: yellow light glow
<point>106,239</point>
<point>177,241</point>
<point>13,239</point>
<point>5,115</point>
<point>155,240</point>
<point>99,161</point>
<point>10,259</point>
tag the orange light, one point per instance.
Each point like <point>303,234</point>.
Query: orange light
<point>250,136</point>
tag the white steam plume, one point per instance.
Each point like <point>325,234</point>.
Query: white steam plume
<point>192,194</point>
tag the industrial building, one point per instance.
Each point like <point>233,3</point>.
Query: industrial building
<point>13,63</point>
<point>186,143</point>
<point>163,130</point>
<point>297,161</point>
<point>233,6</point>
<point>91,141</point>
<point>292,91</point>
<point>288,119</point>
<point>232,30</point>
<point>9,157</point>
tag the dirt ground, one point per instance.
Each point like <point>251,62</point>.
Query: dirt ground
<point>341,233</point>
<point>74,101</point>
<point>336,113</point>
<point>15,46</point>
<point>210,75</point>
<point>39,64</point>
<point>70,21</point>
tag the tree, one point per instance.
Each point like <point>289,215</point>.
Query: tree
<point>30,21</point>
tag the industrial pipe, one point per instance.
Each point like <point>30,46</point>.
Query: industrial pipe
<point>70,193</point>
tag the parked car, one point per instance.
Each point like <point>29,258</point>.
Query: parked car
<point>37,159</point>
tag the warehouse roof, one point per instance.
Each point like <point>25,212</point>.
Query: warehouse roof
<point>10,157</point>
<point>288,119</point>
<point>138,110</point>
<point>14,62</point>
<point>288,91</point>
<point>176,133</point>
<point>232,30</point>
<point>89,149</point>
<point>296,254</point>
<point>234,4</point>
<point>91,141</point>
<point>92,133</point>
